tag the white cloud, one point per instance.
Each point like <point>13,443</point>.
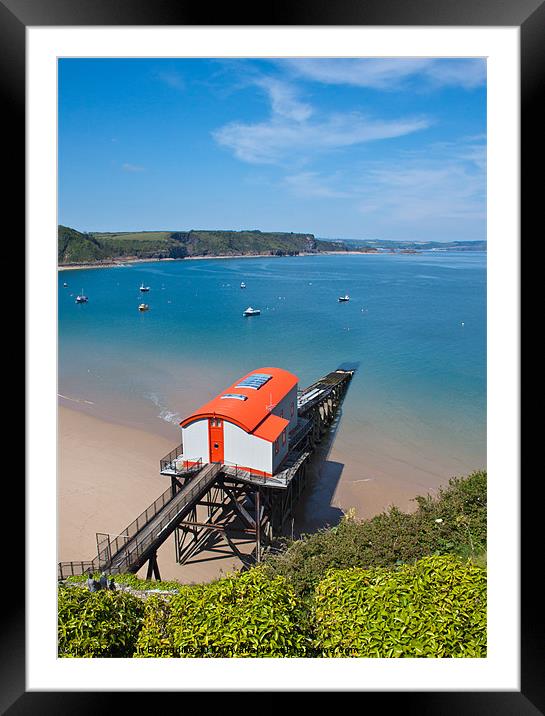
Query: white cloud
<point>283,99</point>
<point>390,73</point>
<point>280,137</point>
<point>127,167</point>
<point>172,79</point>
<point>425,189</point>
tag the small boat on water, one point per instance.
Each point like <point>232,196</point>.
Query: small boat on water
<point>65,284</point>
<point>344,298</point>
<point>143,288</point>
<point>143,307</point>
<point>81,298</point>
<point>251,311</point>
<point>242,284</point>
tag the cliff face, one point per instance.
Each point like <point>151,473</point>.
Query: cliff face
<point>77,247</point>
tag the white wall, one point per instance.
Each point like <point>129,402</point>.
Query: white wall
<point>241,448</point>
<point>195,440</point>
<point>282,449</point>
<point>284,405</point>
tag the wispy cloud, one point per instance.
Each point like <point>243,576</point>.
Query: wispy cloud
<point>127,167</point>
<point>274,140</point>
<point>390,73</point>
<point>313,185</point>
<point>284,100</point>
<point>417,190</point>
<point>422,189</point>
<point>171,78</point>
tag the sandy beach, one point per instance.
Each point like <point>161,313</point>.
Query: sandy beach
<point>107,475</point>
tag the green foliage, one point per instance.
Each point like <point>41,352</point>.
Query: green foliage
<point>454,522</point>
<point>128,580</point>
<point>75,247</point>
<point>97,624</point>
<point>434,608</point>
<point>244,615</point>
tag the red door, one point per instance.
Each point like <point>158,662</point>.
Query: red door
<point>215,439</point>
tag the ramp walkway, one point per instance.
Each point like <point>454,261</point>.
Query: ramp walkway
<point>129,553</point>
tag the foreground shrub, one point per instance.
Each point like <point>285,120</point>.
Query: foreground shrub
<point>97,624</point>
<point>127,580</point>
<point>434,608</point>
<point>244,615</point>
<point>454,522</point>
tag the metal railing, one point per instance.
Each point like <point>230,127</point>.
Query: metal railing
<point>111,547</point>
<point>171,464</point>
<point>184,498</point>
<point>75,569</point>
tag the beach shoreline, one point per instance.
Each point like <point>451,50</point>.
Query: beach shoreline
<point>108,474</point>
<point>126,262</point>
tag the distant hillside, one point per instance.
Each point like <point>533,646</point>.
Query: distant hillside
<point>76,247</point>
<point>389,245</point>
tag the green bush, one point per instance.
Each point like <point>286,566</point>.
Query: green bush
<point>454,522</point>
<point>97,624</point>
<point>244,615</point>
<point>127,580</point>
<point>434,608</point>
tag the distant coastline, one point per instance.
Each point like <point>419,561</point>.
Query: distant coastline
<point>78,250</point>
<point>130,261</point>
<point>126,261</point>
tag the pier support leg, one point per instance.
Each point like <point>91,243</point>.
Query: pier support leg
<point>258,525</point>
<point>153,568</point>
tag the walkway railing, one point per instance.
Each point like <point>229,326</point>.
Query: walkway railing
<point>133,553</point>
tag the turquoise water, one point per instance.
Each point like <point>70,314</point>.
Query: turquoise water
<point>420,387</point>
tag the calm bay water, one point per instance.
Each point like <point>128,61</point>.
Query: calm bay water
<point>415,327</point>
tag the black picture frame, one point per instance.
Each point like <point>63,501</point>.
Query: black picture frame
<point>529,16</point>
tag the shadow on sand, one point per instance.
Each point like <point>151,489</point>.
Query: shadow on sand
<point>315,510</point>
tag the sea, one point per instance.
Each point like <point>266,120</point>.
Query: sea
<point>414,329</point>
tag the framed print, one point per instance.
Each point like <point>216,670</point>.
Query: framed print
<point>323,216</point>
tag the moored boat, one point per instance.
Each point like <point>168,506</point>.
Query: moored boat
<point>242,284</point>
<point>251,311</point>
<point>344,298</point>
<point>143,307</point>
<point>143,288</point>
<point>81,298</point>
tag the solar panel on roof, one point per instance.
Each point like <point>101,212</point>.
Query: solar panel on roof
<point>236,396</point>
<point>254,381</point>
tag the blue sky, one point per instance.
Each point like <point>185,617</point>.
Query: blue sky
<point>341,148</point>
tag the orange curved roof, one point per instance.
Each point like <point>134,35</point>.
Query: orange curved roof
<point>249,413</point>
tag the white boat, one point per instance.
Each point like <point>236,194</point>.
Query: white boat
<point>81,298</point>
<point>144,288</point>
<point>65,284</point>
<point>143,307</point>
<point>346,297</point>
<point>242,284</point>
<point>251,311</point>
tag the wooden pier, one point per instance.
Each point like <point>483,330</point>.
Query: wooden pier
<point>222,507</point>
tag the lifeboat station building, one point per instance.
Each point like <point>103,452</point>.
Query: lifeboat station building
<point>248,425</point>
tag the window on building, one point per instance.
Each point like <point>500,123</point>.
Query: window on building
<point>282,413</point>
<point>276,446</point>
<point>283,437</point>
<point>291,409</point>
